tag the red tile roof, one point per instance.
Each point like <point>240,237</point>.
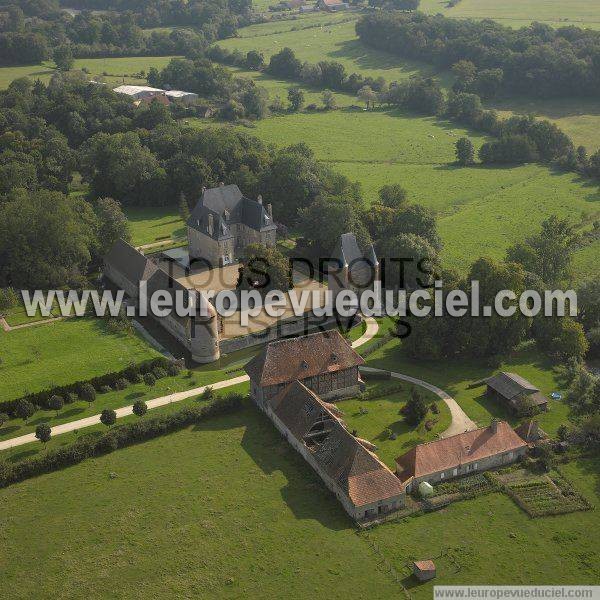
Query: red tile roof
<point>286,360</point>
<point>425,565</point>
<point>450,452</point>
<point>359,473</point>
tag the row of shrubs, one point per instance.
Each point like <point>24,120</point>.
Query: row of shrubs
<point>148,372</point>
<point>118,437</point>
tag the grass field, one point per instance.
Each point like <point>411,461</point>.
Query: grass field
<point>227,509</point>
<point>374,418</point>
<point>481,211</point>
<point>579,118</point>
<point>119,70</point>
<point>457,378</point>
<point>61,352</point>
<point>514,13</point>
<point>331,42</point>
<point>153,224</point>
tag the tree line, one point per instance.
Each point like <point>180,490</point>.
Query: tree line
<point>127,157</point>
<point>537,60</point>
<point>36,30</point>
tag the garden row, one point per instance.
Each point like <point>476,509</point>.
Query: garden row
<point>549,495</point>
<point>148,372</point>
<point>117,437</point>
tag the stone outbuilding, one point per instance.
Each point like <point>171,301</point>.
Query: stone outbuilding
<point>361,482</point>
<point>461,454</point>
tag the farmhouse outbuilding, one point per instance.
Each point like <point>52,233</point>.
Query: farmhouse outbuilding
<point>363,484</point>
<point>515,392</point>
<point>332,5</point>
<point>324,362</point>
<point>461,454</point>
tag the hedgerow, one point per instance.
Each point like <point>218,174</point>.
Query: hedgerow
<point>85,390</point>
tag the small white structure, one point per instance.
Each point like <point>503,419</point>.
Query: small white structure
<point>181,96</point>
<point>139,92</point>
<point>425,489</point>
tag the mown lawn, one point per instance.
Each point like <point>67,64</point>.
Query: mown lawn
<point>35,358</point>
<point>227,509</point>
<point>223,509</point>
<point>153,224</point>
<point>489,540</point>
<point>460,378</point>
<point>373,419</point>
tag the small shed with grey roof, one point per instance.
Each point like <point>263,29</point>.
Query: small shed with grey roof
<point>516,392</point>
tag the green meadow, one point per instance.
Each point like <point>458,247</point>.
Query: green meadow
<point>119,70</point>
<point>579,118</point>
<point>481,211</point>
<point>336,42</point>
<point>227,509</point>
<point>61,352</point>
<point>154,224</point>
<point>515,13</point>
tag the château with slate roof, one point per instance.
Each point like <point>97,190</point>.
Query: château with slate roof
<point>224,222</point>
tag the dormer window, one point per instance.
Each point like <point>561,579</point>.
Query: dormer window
<point>226,215</point>
<point>304,365</point>
<point>334,356</point>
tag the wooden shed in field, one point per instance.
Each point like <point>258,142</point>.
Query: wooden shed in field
<point>424,570</point>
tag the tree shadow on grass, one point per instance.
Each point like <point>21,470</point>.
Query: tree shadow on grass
<point>72,412</point>
<point>9,429</point>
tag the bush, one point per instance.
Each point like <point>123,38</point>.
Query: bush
<point>71,397</point>
<point>3,418</point>
<point>121,384</point>
<point>105,389</point>
<point>108,417</point>
<point>149,379</point>
<point>43,432</point>
<point>118,437</point>
<point>208,393</point>
<point>87,392</point>
<point>56,403</point>
<point>159,373</point>
<point>140,408</point>
<point>173,369</point>
<point>24,409</point>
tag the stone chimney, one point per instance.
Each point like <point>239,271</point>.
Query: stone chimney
<point>259,199</point>
<point>494,425</point>
<point>211,225</point>
<point>270,210</point>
